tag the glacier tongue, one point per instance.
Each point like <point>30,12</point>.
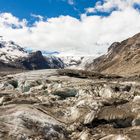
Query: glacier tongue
<point>77,62</point>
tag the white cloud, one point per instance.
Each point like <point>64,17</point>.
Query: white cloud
<point>71,2</point>
<point>109,5</point>
<point>7,19</point>
<point>37,16</point>
<point>70,36</point>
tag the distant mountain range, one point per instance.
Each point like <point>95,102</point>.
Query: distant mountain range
<point>12,56</point>
<point>122,58</point>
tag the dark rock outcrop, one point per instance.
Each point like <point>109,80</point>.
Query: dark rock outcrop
<point>33,61</point>
<point>36,61</point>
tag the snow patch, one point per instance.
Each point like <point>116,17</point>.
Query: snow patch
<point>77,62</point>
<point>9,51</point>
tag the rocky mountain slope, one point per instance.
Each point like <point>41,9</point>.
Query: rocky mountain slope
<point>36,61</point>
<point>69,105</point>
<point>12,56</point>
<point>122,58</point>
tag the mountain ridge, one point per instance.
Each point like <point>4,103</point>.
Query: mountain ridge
<point>123,58</point>
<point>13,56</point>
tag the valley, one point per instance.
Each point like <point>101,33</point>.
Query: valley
<point>70,98</point>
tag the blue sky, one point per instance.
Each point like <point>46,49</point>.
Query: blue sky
<point>70,27</point>
<point>46,8</point>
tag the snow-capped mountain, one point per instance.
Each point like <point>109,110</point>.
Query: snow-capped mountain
<point>14,56</point>
<point>10,51</point>
<point>77,62</point>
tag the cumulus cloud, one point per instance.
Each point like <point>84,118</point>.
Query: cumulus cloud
<point>8,20</point>
<point>109,5</point>
<point>88,35</point>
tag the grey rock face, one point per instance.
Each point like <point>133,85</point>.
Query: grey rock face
<point>55,105</point>
<point>36,61</point>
